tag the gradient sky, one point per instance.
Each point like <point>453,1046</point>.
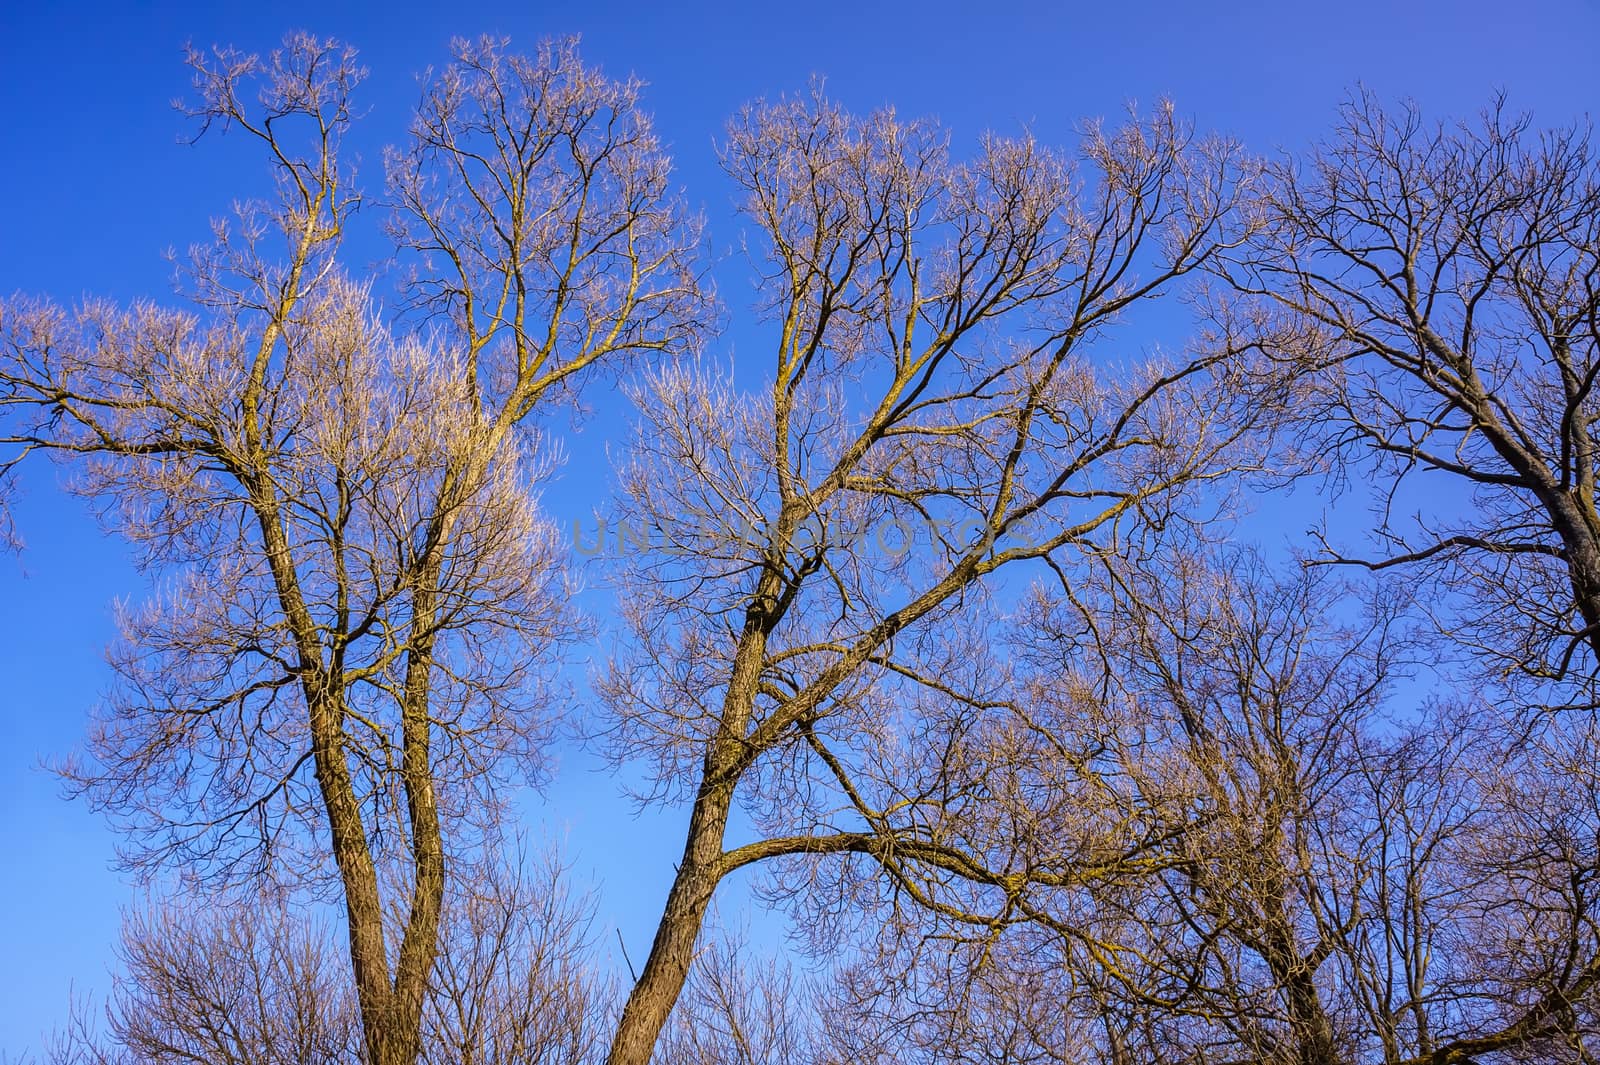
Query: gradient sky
<point>95,185</point>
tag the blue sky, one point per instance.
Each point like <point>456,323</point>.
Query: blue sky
<point>95,186</point>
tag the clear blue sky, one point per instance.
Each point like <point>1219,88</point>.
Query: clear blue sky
<point>94,186</point>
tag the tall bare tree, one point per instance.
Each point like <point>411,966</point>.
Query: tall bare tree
<point>1446,285</point>
<point>943,401</point>
<point>359,598</point>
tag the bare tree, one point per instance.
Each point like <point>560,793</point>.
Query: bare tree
<point>1445,282</point>
<point>251,980</point>
<point>943,402</point>
<point>515,981</point>
<point>1340,879</point>
<point>742,1009</point>
<point>1239,706</point>
<point>257,978</point>
<point>359,598</point>
<point>1346,892</point>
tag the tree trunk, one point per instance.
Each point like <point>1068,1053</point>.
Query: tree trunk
<point>363,908</point>
<point>667,968</point>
